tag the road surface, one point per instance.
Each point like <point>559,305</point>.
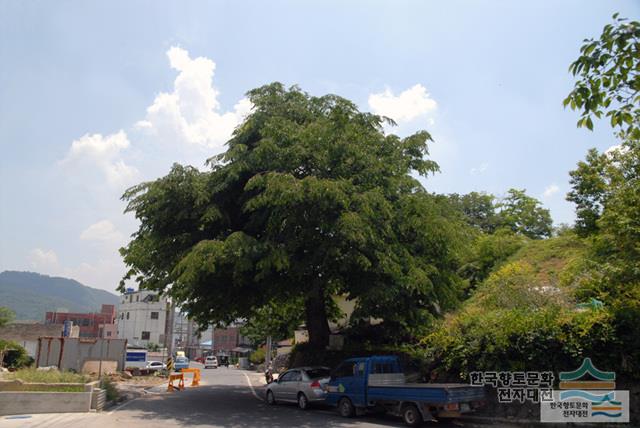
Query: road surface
<point>226,398</point>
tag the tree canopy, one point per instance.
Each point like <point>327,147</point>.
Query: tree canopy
<point>608,72</point>
<point>311,199</point>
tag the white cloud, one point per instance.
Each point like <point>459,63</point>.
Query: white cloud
<point>550,190</point>
<point>407,106</point>
<point>191,113</point>
<point>616,149</point>
<point>43,260</point>
<point>103,231</point>
<point>103,152</point>
<point>480,169</point>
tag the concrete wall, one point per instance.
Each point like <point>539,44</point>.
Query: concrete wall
<point>74,354</point>
<point>20,403</point>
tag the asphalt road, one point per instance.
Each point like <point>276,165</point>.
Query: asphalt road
<point>226,398</point>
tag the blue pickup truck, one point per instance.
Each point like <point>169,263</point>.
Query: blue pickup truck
<point>359,384</point>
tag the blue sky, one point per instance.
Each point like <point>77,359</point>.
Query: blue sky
<point>96,96</point>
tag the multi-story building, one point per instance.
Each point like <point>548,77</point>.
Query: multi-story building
<point>142,317</point>
<point>99,324</point>
<point>229,341</point>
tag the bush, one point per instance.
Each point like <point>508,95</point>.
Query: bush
<point>13,355</point>
<point>110,388</point>
<point>257,356</point>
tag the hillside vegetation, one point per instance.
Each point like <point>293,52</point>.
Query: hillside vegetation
<point>30,295</point>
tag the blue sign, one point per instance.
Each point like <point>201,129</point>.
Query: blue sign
<point>137,356</point>
<point>66,328</point>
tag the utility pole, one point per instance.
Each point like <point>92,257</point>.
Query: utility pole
<point>171,309</point>
<point>267,357</point>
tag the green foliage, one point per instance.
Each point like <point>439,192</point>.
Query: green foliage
<point>275,319</point>
<point>489,252</point>
<point>6,315</point>
<point>48,376</point>
<point>591,186</point>
<point>547,338</point>
<point>525,316</point>
<point>524,215</point>
<point>311,199</point>
<point>257,356</point>
<point>110,388</point>
<point>479,210</point>
<point>609,79</point>
<point>153,347</point>
<point>13,355</point>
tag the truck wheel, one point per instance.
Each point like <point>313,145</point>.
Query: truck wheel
<point>271,399</point>
<point>345,408</point>
<point>411,415</point>
<point>303,402</point>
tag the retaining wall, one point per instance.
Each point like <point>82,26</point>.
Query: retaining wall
<point>20,403</point>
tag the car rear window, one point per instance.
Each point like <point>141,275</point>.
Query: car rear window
<point>318,373</point>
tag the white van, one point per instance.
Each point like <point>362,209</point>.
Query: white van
<point>211,361</point>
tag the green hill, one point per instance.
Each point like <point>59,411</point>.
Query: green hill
<point>30,295</point>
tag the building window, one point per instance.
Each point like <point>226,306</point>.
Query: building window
<point>130,298</point>
<point>108,334</point>
<point>122,316</point>
<point>154,315</point>
<point>146,335</point>
<point>137,298</point>
<point>127,315</point>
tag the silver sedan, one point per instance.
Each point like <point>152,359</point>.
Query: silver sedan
<point>302,385</point>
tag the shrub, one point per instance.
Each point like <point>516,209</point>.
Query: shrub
<point>257,356</point>
<point>110,388</point>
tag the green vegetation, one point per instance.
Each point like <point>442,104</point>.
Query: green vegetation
<point>257,356</point>
<point>48,376</point>
<point>311,199</point>
<point>556,301</point>
<point>6,315</point>
<point>31,295</point>
<point>110,388</point>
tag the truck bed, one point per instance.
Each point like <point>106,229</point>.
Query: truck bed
<point>392,387</point>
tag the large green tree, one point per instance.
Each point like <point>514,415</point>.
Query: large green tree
<point>311,199</point>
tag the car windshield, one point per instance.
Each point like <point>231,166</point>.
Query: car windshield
<point>317,373</point>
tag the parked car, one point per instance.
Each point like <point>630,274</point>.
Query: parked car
<point>302,385</point>
<point>224,361</point>
<point>211,361</point>
<point>155,365</point>
<point>199,360</point>
<point>358,384</point>
<point>181,363</point>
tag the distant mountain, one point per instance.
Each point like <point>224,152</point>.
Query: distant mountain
<point>30,295</point>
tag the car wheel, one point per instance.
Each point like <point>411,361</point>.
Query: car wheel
<point>411,415</point>
<point>345,408</point>
<point>303,402</point>
<point>271,399</point>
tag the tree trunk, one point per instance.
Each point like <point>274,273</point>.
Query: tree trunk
<point>316,314</point>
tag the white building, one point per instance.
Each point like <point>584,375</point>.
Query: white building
<point>142,317</point>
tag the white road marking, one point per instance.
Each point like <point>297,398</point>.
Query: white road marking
<point>255,394</point>
<point>122,405</point>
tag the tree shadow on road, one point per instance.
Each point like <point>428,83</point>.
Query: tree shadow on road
<point>235,406</point>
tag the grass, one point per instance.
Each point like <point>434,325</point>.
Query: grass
<point>47,376</point>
